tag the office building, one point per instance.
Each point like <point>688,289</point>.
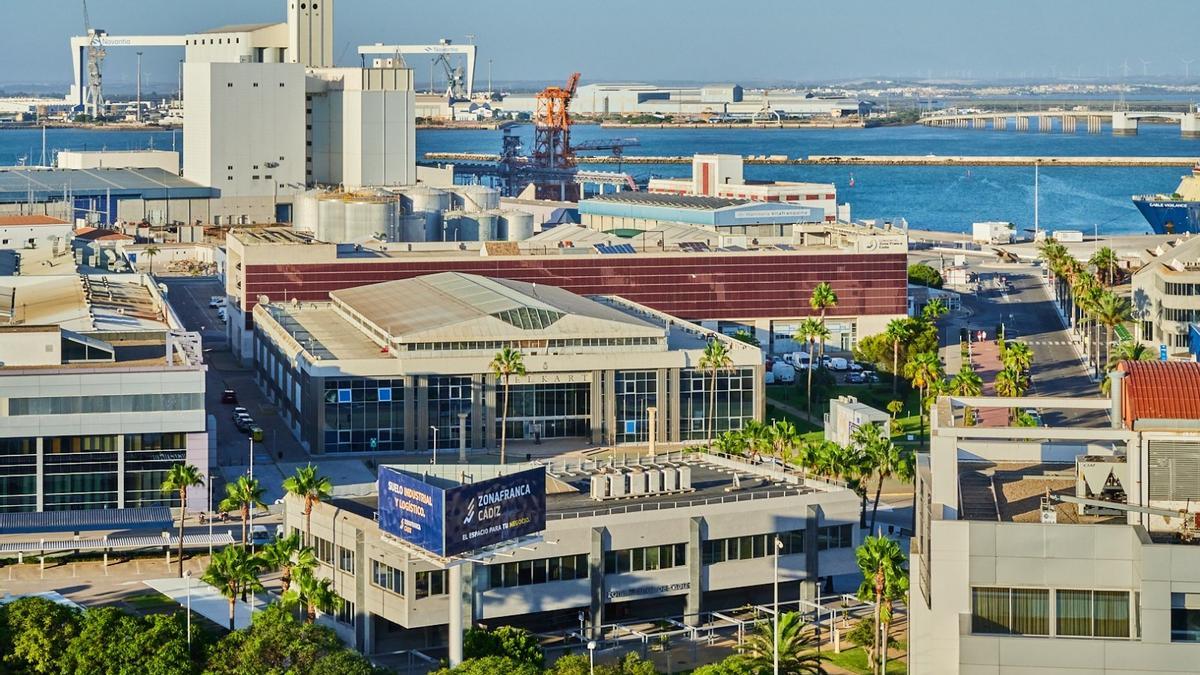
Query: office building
<point>1067,548</point>
<point>698,539</point>
<point>391,366</point>
<point>1166,298</point>
<point>101,392</point>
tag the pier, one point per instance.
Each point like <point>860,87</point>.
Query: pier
<point>863,160</point>
<point>1122,122</point>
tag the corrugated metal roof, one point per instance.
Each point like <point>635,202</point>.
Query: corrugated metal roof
<point>21,220</point>
<point>666,200</point>
<point>85,519</point>
<point>17,183</point>
<point>1160,390</point>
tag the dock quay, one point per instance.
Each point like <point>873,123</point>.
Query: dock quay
<point>867,160</point>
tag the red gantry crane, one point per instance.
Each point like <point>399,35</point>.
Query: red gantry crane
<point>552,126</point>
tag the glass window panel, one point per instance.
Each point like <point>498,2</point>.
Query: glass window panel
<point>989,610</point>
<point>1074,613</point>
<point>1031,611</point>
<point>1111,613</point>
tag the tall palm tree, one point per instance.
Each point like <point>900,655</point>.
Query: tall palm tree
<point>506,363</point>
<point>150,252</point>
<point>899,331</point>
<point>755,436</point>
<point>934,310</point>
<point>823,299</point>
<point>313,593</point>
<point>821,457</point>
<point>884,459</point>
<point>1111,311</point>
<point>1105,262</point>
<point>782,438</point>
<point>885,580</point>
<point>242,495</point>
<point>1018,356</point>
<point>312,488</point>
<point>179,478</point>
<point>714,359</point>
<point>797,648</point>
<point>811,331</point>
<point>924,370</point>
<point>966,383</point>
<point>286,556</point>
<point>1125,351</point>
<point>1010,383</point>
<point>233,571</point>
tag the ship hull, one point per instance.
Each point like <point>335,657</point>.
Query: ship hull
<point>1170,216</point>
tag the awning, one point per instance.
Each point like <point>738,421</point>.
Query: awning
<point>141,518</point>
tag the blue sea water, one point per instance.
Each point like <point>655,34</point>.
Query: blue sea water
<point>940,198</point>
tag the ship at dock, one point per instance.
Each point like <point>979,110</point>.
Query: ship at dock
<point>1175,213</point>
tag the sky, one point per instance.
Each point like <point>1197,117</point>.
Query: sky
<point>747,41</point>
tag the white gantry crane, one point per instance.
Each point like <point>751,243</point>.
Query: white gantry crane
<point>458,87</point>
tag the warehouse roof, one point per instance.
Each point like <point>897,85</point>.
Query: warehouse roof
<point>455,306</point>
<point>1160,390</point>
<point>29,220</point>
<point>17,184</point>
<point>669,201</point>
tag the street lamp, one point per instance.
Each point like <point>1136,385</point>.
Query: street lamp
<point>591,657</point>
<point>775,651</point>
<point>211,514</point>
<point>187,577</point>
<point>434,443</point>
<point>250,511</point>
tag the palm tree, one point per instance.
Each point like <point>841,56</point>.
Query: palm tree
<point>797,648</point>
<point>179,478</point>
<point>782,437</point>
<point>715,359</point>
<point>288,557</point>
<point>313,593</point>
<point>312,488</point>
<point>925,372</point>
<point>966,383</point>
<point>1018,356</point>
<point>755,436</point>
<point>232,571</point>
<point>150,252</point>
<point>1125,351</point>
<point>242,495</point>
<point>885,580</point>
<point>1105,262</point>
<point>810,331</point>
<point>822,457</point>
<point>1010,383</point>
<point>1111,311</point>
<point>823,299</point>
<point>898,331</point>
<point>504,365</point>
<point>934,310</point>
<point>883,458</point>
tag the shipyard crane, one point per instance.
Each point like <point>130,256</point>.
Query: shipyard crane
<point>95,57</point>
<point>461,84</point>
<point>552,126</point>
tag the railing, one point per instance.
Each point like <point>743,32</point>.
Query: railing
<point>638,507</point>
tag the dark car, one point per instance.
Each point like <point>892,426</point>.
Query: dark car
<point>229,396</point>
<point>243,424</point>
<point>855,378</point>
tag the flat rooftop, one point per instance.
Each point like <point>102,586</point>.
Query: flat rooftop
<point>17,183</point>
<point>1012,492</point>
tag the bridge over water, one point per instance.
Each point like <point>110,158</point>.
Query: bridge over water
<point>1122,122</point>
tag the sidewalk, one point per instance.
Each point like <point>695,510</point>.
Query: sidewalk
<point>985,356</point>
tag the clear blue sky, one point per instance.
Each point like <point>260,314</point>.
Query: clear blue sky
<point>648,40</point>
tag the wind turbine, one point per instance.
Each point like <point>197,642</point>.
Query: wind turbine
<point>1187,68</point>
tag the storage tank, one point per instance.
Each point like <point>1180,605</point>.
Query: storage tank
<point>477,227</point>
<point>331,219</point>
<point>369,218</point>
<point>304,214</point>
<point>516,225</point>
<point>411,229</point>
<point>451,226</point>
<point>477,198</point>
<point>423,199</point>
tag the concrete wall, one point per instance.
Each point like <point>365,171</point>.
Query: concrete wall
<point>34,236</point>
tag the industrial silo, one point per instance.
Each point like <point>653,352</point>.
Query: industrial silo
<point>411,229</point>
<point>369,218</point>
<point>421,199</point>
<point>516,225</point>
<point>304,216</point>
<point>452,225</point>
<point>477,198</point>
<point>331,218</point>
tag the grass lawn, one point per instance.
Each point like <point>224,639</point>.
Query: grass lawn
<point>150,602</point>
<point>802,426</point>
<point>855,660</point>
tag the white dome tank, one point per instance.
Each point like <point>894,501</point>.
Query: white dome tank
<point>477,198</point>
<point>304,213</point>
<point>517,225</point>
<point>422,199</point>
<point>369,218</point>
<point>331,219</point>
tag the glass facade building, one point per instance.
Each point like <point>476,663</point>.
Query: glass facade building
<point>447,397</point>
<point>734,401</point>
<point>633,392</point>
<point>553,410</point>
<point>363,415</point>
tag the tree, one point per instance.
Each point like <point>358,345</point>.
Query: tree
<point>313,593</point>
<point>1105,262</point>
<point>797,649</point>
<point>1111,311</point>
<point>242,495</point>
<point>288,557</point>
<point>732,665</point>
<point>312,488</point>
<point>883,458</point>
<point>743,335</point>
<point>506,363</point>
<point>934,309</point>
<point>491,665</point>
<point>782,437</point>
<point>1125,351</point>
<point>179,478</point>
<point>823,299</point>
<point>37,633</point>
<point>1018,356</point>
<point>150,252</point>
<point>515,643</point>
<point>715,359</point>
<point>232,570</point>
<point>885,580</point>
<point>967,383</point>
<point>1010,383</point>
<point>810,331</point>
<point>112,641</point>
<point>924,275</point>
<point>277,643</point>
<point>924,369</point>
<point>898,331</point>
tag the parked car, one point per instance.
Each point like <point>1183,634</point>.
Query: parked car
<point>838,363</point>
<point>855,378</point>
<point>1035,414</point>
<point>259,534</point>
<point>855,367</point>
<point>870,376</point>
<point>229,396</point>
<point>243,424</point>
<point>783,373</point>
<point>239,411</point>
<point>216,301</point>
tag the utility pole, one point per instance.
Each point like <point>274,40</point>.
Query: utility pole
<point>139,88</point>
<point>490,90</point>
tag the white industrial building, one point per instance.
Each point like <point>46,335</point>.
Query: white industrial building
<point>721,99</point>
<point>33,231</point>
<point>167,160</point>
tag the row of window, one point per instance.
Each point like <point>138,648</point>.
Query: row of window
<point>117,403</point>
<point>387,577</point>
<point>645,559</point>
<point>529,572</point>
<point>1027,611</point>
<point>1181,315</point>
<point>494,345</point>
<point>1181,289</point>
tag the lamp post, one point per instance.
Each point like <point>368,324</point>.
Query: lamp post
<point>591,657</point>
<point>211,514</point>
<point>775,650</point>
<point>434,443</point>
<point>187,577</point>
<point>250,511</point>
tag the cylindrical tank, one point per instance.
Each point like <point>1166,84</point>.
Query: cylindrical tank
<point>423,199</point>
<point>517,225</point>
<point>369,218</point>
<point>478,198</point>
<point>331,219</point>
<point>452,224</point>
<point>411,229</point>
<point>477,227</point>
<point>304,215</point>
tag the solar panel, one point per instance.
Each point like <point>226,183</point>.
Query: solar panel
<point>611,249</point>
<point>785,247</point>
<point>693,246</point>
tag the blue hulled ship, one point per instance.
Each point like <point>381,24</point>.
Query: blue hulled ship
<point>1175,213</point>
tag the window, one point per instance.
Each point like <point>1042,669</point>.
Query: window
<point>1185,617</point>
<point>835,536</point>
<point>1103,614</point>
<point>345,612</point>
<point>346,560</point>
<point>1016,611</point>
<point>324,549</point>
<point>645,559</point>
<point>1147,330</point>
<point>431,583</point>
<point>749,547</point>
<point>387,577</point>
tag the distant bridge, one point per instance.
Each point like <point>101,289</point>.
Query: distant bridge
<point>1122,122</point>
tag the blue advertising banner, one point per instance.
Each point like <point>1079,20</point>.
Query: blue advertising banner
<point>412,510</point>
<point>491,511</point>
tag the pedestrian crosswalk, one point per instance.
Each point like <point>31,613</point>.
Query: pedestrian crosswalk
<point>1048,343</point>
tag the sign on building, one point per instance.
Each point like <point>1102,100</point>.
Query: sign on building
<point>463,518</point>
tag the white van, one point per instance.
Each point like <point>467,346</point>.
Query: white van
<point>783,373</point>
<point>838,363</point>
